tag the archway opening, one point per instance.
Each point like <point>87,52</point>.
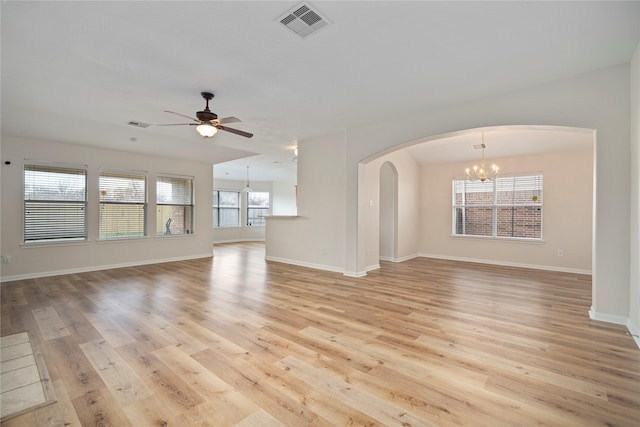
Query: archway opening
<point>388,212</point>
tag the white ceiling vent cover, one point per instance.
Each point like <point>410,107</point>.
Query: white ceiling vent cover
<point>303,20</point>
<point>138,124</point>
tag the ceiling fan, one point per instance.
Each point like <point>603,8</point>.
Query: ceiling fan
<point>207,122</point>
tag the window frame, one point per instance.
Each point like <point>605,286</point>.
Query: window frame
<point>52,167</point>
<point>191,205</point>
<point>144,203</point>
<point>219,208</point>
<point>248,209</point>
<point>495,206</point>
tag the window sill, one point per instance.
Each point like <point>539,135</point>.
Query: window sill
<point>175,236</point>
<point>499,239</point>
<point>122,239</point>
<point>54,243</point>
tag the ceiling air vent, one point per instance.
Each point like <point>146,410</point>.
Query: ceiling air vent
<point>303,20</point>
<point>138,124</point>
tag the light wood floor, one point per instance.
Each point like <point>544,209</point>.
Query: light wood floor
<point>236,340</point>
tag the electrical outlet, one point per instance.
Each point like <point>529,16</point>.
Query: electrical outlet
<point>6,259</point>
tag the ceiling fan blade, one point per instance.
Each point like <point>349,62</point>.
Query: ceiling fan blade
<point>176,124</point>
<point>228,120</point>
<point>182,115</point>
<point>236,131</point>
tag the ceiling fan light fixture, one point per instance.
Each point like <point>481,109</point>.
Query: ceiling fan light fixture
<point>206,130</point>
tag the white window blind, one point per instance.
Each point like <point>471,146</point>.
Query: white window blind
<point>55,206</point>
<point>226,209</point>
<point>257,208</point>
<point>508,206</point>
<point>175,205</point>
<point>122,205</point>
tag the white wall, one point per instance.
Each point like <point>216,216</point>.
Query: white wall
<point>242,233</point>
<point>567,214</point>
<point>315,238</point>
<point>49,259</point>
<point>634,295</point>
<point>284,198</point>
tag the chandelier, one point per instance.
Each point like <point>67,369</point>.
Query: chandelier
<point>481,173</point>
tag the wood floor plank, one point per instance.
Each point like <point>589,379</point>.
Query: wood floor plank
<point>149,412</point>
<point>76,323</point>
<point>203,415</point>
<point>382,410</point>
<point>50,324</point>
<point>166,384</point>
<point>235,340</point>
<point>174,335</point>
<point>97,407</point>
<point>222,397</point>
<point>250,383</point>
<point>123,383</point>
<point>67,363</point>
<point>109,330</point>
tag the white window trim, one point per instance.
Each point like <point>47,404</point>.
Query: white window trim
<point>145,231</point>
<point>494,206</point>
<point>56,242</point>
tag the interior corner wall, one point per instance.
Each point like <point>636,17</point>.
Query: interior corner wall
<point>567,199</point>
<point>316,236</point>
<point>408,196</point>
<point>242,233</point>
<point>39,260</point>
<point>634,248</point>
<point>598,100</point>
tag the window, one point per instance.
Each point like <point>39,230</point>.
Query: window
<point>123,204</point>
<point>55,202</point>
<point>506,207</point>
<point>175,205</point>
<point>257,208</point>
<point>226,209</point>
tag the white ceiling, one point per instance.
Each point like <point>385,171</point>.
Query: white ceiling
<point>507,141</point>
<point>80,71</point>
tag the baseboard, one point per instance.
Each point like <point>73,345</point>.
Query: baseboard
<point>305,264</point>
<point>401,259</point>
<point>355,274</point>
<point>634,333</point>
<point>609,318</point>
<point>509,264</point>
<point>99,267</point>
